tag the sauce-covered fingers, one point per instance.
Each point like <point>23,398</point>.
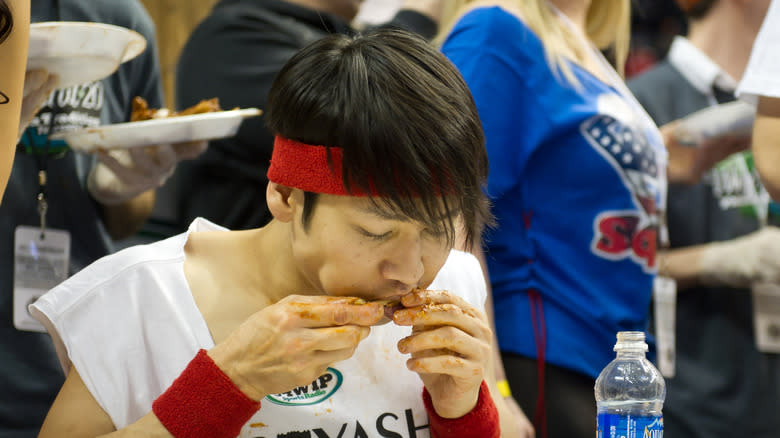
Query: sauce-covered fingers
<point>447,364</point>
<point>467,319</point>
<point>334,314</point>
<point>419,297</point>
<point>337,338</point>
<point>449,338</point>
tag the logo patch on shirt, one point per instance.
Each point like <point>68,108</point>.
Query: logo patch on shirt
<point>66,109</point>
<point>626,233</point>
<point>316,392</point>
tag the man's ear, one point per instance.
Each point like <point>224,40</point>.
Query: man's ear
<point>280,200</point>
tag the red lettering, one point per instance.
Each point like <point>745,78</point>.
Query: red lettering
<point>616,233</point>
<point>644,244</point>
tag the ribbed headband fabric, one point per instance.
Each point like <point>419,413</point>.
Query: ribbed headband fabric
<point>306,167</point>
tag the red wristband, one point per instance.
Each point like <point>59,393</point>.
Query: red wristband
<point>203,402</point>
<point>481,422</point>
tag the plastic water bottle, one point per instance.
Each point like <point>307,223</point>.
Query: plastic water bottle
<point>630,392</point>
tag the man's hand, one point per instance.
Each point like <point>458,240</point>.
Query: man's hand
<point>121,175</point>
<point>450,348</point>
<point>687,164</point>
<point>38,85</point>
<point>742,261</point>
<point>293,342</point>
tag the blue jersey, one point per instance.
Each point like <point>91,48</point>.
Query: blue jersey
<point>576,178</point>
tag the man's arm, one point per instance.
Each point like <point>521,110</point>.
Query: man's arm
<point>766,144</point>
<point>734,263</point>
<point>13,53</point>
<point>138,77</point>
<point>76,413</point>
<point>125,219</point>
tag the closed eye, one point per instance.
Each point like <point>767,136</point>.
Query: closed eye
<point>373,236</point>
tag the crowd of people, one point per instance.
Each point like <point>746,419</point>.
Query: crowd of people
<point>436,227</point>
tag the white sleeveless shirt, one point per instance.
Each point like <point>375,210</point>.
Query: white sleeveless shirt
<point>130,325</point>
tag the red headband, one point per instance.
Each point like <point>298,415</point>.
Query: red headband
<point>687,5</point>
<point>306,167</point>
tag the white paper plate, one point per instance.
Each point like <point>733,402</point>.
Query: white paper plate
<point>196,127</point>
<point>81,52</point>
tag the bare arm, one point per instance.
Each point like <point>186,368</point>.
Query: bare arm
<point>681,265</point>
<point>124,182</point>
<point>735,263</point>
<point>766,144</point>
<point>76,413</point>
<point>13,58</point>
<point>123,220</point>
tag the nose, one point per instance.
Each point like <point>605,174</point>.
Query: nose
<point>404,264</point>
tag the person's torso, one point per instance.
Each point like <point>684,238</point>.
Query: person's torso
<point>31,376</point>
<point>143,294</point>
<point>714,324</point>
<point>577,205</point>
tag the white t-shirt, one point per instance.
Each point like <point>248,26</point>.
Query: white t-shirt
<point>130,325</point>
<point>762,76</point>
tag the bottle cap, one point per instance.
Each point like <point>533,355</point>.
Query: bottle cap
<point>628,341</point>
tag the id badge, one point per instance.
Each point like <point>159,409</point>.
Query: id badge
<point>665,307</point>
<point>40,263</point>
<point>766,316</point>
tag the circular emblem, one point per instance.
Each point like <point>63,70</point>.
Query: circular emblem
<point>316,392</point>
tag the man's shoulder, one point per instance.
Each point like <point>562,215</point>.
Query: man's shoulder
<point>661,91</point>
<point>115,269</point>
<point>661,76</point>
<point>130,14</point>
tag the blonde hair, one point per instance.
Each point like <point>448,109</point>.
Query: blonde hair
<point>608,26</point>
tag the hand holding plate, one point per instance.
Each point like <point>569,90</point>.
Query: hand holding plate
<point>123,174</point>
<point>38,85</point>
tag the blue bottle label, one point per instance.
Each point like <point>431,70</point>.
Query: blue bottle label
<point>629,426</point>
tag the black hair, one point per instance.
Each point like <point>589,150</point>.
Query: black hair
<point>6,20</point>
<point>404,118</point>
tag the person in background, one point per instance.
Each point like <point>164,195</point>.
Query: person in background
<point>577,179</point>
<point>712,394</point>
<point>234,54</point>
<point>378,167</point>
<point>88,201</point>
<point>761,85</point>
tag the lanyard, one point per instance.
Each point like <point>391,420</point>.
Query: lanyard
<point>42,161</point>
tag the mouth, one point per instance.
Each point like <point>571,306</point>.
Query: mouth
<point>390,307</point>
